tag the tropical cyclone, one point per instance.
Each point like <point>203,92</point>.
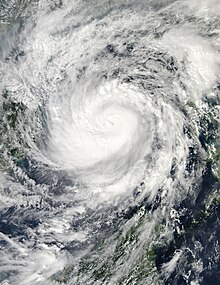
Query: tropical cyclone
<point>108,119</point>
